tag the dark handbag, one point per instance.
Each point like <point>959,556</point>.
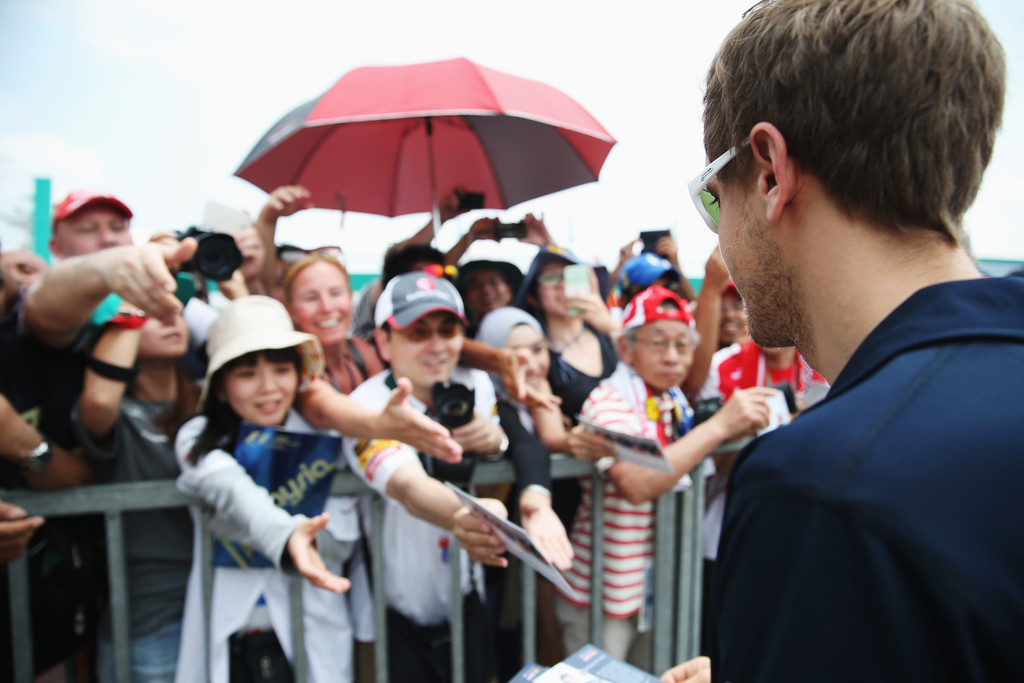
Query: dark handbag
<point>258,658</point>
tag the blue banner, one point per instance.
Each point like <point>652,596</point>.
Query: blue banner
<point>295,467</point>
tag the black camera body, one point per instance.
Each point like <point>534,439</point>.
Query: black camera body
<point>705,408</point>
<point>217,256</point>
<point>453,404</point>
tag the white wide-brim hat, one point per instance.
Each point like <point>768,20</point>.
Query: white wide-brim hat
<point>254,323</point>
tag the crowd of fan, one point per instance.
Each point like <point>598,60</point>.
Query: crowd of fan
<point>113,374</point>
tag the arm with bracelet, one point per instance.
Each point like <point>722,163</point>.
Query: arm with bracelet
<point>110,367</point>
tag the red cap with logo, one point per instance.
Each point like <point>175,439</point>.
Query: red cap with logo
<point>80,199</point>
<point>649,306</point>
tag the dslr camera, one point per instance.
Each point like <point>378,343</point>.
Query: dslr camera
<point>217,256</point>
<point>453,404</point>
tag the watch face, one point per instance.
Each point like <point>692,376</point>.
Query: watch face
<point>39,458</point>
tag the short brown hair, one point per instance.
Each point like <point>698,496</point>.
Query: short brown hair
<point>892,104</point>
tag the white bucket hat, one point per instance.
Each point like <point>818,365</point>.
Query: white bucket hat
<point>253,323</point>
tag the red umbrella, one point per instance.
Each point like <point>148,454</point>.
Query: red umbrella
<point>385,139</point>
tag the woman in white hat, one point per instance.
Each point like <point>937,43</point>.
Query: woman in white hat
<point>258,364</point>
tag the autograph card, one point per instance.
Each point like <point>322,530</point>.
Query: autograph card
<point>638,450</point>
<point>517,541</point>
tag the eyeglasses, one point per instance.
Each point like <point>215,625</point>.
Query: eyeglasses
<point>550,280</point>
<point>707,203</point>
<point>732,306</point>
<point>421,333</point>
<point>660,346</point>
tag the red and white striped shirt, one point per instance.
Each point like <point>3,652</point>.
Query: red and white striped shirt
<point>628,529</point>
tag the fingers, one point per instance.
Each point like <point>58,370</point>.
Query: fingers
<point>307,560</point>
<point>697,670</point>
<point>548,534</point>
<point>478,539</point>
<point>15,531</point>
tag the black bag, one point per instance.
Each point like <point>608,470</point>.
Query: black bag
<point>67,587</point>
<point>258,658</point>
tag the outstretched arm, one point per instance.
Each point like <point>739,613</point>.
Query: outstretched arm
<point>327,408</point>
<point>61,303</point>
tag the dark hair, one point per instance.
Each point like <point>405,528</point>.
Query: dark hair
<point>222,422</point>
<point>184,405</point>
<point>399,259</point>
<point>893,105</point>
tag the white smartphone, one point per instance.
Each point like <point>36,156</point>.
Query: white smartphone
<point>577,283</point>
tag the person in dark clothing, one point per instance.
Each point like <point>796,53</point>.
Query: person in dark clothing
<point>876,537</point>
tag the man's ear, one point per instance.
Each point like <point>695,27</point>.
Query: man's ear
<point>778,174</point>
<point>381,338</point>
<point>625,349</point>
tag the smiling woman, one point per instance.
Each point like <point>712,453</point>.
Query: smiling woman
<point>318,295</point>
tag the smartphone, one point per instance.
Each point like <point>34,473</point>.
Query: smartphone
<point>510,230</point>
<point>577,283</point>
<point>470,200</point>
<point>650,238</point>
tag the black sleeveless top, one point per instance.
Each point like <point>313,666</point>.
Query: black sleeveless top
<point>574,386</point>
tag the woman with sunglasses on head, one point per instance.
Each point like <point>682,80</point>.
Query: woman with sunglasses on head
<point>318,296</point>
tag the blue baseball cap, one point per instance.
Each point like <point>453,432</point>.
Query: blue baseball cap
<point>644,269</point>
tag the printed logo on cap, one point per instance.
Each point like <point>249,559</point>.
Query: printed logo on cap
<point>423,283</point>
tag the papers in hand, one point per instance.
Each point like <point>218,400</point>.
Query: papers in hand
<point>517,541</point>
<point>639,450</point>
<point>589,664</point>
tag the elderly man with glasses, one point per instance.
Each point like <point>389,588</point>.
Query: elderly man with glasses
<point>642,398</point>
<point>877,536</point>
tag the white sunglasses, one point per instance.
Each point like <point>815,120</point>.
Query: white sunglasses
<point>707,203</point>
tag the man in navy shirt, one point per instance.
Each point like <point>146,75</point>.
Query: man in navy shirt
<point>877,537</point>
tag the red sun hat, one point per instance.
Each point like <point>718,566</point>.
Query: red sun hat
<point>649,306</point>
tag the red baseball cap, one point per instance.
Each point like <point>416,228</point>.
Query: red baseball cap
<point>80,199</point>
<point>731,287</point>
<point>649,306</point>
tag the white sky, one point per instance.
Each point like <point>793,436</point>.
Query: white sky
<point>158,101</point>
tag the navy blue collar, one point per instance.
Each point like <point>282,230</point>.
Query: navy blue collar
<point>986,308</point>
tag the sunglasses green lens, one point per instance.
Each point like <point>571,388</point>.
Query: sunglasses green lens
<point>710,203</point>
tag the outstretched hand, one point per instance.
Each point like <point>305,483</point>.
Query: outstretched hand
<point>143,276</point>
<point>477,537</point>
<point>545,529</point>
<point>402,423</point>
<point>302,548</point>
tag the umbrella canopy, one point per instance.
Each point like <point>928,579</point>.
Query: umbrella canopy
<point>385,140</point>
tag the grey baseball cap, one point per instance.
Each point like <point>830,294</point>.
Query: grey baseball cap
<point>410,296</point>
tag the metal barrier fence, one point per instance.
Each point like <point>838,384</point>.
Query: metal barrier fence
<point>677,567</point>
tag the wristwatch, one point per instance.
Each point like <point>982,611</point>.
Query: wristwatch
<point>38,458</point>
<point>502,449</point>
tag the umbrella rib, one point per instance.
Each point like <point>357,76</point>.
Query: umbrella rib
<point>296,178</point>
<point>396,166</point>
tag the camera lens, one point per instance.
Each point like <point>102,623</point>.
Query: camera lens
<point>217,257</point>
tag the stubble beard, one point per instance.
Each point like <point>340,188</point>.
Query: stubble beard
<point>770,292</point>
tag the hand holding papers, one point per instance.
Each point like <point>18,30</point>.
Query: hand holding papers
<point>516,540</point>
<point>639,450</point>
